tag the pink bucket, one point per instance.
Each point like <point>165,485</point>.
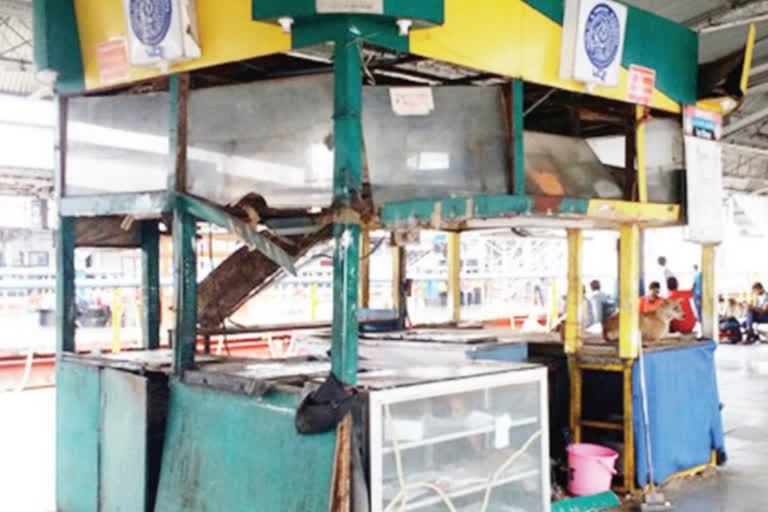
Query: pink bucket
<point>590,469</point>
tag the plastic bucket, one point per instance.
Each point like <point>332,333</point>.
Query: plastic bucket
<point>590,469</point>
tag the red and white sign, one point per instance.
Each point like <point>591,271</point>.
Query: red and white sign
<point>112,59</point>
<point>702,123</point>
<point>640,84</point>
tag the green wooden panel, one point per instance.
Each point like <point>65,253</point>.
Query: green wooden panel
<point>150,283</point>
<point>426,11</point>
<point>423,211</point>
<point>669,48</point>
<point>654,42</point>
<point>379,31</point>
<point>518,100</point>
<point>77,437</point>
<point>123,454</point>
<point>65,285</point>
<point>228,452</point>
<point>57,43</point>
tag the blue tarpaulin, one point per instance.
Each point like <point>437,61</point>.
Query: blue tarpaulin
<point>684,406</point>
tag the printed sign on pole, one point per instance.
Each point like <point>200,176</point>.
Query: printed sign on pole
<point>701,123</point>
<point>593,41</point>
<point>704,173</point>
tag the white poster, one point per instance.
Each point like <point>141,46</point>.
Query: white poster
<point>704,172</point>
<point>412,101</point>
<point>593,41</point>
<point>362,6</point>
<point>161,31</point>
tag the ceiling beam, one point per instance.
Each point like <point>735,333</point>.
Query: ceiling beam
<point>745,121</point>
<point>16,9</point>
<point>730,17</point>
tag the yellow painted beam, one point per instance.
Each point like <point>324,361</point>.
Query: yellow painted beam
<point>227,34</point>
<point>642,180</point>
<point>574,300</point>
<point>629,276</point>
<point>454,275</point>
<point>708,311</point>
<point>365,268</point>
<point>629,211</point>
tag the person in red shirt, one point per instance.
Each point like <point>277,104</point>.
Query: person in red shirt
<point>684,297</point>
<point>649,303</point>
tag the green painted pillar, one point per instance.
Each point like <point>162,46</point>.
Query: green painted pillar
<point>518,99</point>
<point>185,290</point>
<point>65,286</point>
<point>347,186</point>
<point>150,284</point>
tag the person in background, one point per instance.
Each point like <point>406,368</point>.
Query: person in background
<point>686,325</point>
<point>697,290</point>
<point>601,306</point>
<point>652,300</point>
<point>665,272</point>
<point>758,313</point>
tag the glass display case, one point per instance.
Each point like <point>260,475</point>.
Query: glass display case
<point>467,437</point>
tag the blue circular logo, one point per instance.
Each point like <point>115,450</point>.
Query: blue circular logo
<point>602,36</point>
<point>150,20</point>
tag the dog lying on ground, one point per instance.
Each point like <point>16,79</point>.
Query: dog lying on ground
<point>653,326</point>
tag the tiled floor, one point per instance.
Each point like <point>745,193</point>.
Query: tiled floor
<point>27,444</point>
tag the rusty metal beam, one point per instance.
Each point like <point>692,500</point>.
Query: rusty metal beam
<point>244,274</point>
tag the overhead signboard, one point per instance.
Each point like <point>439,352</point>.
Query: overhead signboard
<point>593,41</point>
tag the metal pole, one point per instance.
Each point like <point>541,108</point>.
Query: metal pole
<point>150,284</point>
<point>347,186</point>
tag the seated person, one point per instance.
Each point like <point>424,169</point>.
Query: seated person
<point>651,301</point>
<point>684,297</point>
<point>758,313</point>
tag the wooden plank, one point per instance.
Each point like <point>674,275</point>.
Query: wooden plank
<point>709,327</point>
<point>244,274</point>
<point>365,268</point>
<point>177,140</point>
<point>106,232</point>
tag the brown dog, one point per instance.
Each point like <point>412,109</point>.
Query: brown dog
<point>653,326</point>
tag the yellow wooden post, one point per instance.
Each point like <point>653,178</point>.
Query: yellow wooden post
<point>313,302</point>
<point>708,312</point>
<point>576,398</point>
<point>398,254</point>
<point>365,268</point>
<point>629,429</point>
<point>454,275</point>
<point>629,274</point>
<point>574,300</point>
<point>642,181</point>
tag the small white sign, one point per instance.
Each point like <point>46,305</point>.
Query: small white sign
<point>161,31</point>
<point>593,41</point>
<point>412,101</point>
<point>362,6</point>
<point>704,173</point>
<point>501,431</point>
